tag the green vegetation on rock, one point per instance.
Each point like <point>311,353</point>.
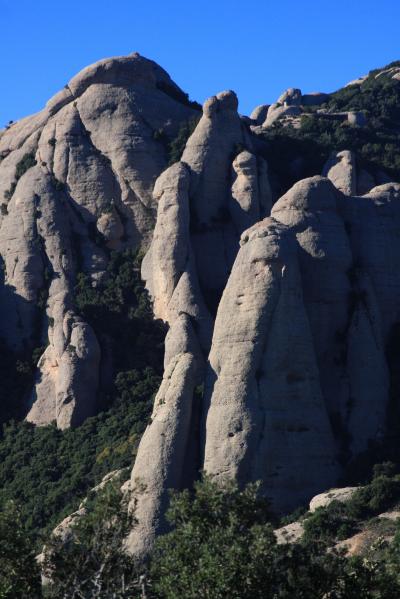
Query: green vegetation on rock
<point>339,520</point>
<point>92,564</point>
<point>221,544</point>
<point>26,162</point>
<point>19,572</point>
<point>119,311</point>
<point>177,145</point>
<point>293,154</point>
<point>48,471</point>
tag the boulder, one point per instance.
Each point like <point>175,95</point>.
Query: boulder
<point>277,111</point>
<point>291,97</point>
<point>259,114</point>
<point>324,499</point>
<point>291,533</point>
<point>341,170</point>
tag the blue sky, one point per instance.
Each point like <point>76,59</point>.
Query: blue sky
<point>258,48</point>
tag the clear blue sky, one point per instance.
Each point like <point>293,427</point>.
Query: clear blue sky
<point>258,48</point>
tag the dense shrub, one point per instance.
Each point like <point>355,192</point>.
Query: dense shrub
<point>119,311</point>
<point>23,165</point>
<point>19,572</point>
<point>48,471</point>
<point>177,145</point>
<point>222,546</point>
<point>92,563</point>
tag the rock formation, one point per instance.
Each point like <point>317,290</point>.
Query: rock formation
<point>297,370</point>
<point>86,163</point>
<point>280,315</point>
<point>204,203</point>
<point>341,170</point>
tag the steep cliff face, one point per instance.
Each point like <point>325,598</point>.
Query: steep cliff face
<point>204,203</point>
<point>76,181</point>
<point>297,379</point>
<point>281,311</point>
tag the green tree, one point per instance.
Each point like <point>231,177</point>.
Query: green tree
<point>222,545</point>
<point>90,561</point>
<point>218,546</point>
<point>19,572</point>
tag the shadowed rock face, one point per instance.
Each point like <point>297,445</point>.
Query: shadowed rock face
<point>97,158</point>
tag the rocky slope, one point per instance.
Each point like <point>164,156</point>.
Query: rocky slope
<point>283,312</point>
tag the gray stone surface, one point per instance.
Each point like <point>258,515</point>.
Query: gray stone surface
<point>204,203</point>
<point>97,159</point>
<point>297,362</point>
<point>262,387</point>
<point>341,170</point>
<point>160,462</point>
<point>259,114</point>
<point>342,494</point>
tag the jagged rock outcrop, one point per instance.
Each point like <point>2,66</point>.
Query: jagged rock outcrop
<point>81,170</point>
<point>259,114</point>
<point>277,111</point>
<point>342,170</point>
<point>298,348</point>
<point>289,104</point>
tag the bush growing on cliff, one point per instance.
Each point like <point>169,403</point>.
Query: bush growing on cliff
<point>92,562</point>
<point>293,154</point>
<point>26,162</point>
<point>339,520</point>
<point>221,544</point>
<point>177,145</point>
